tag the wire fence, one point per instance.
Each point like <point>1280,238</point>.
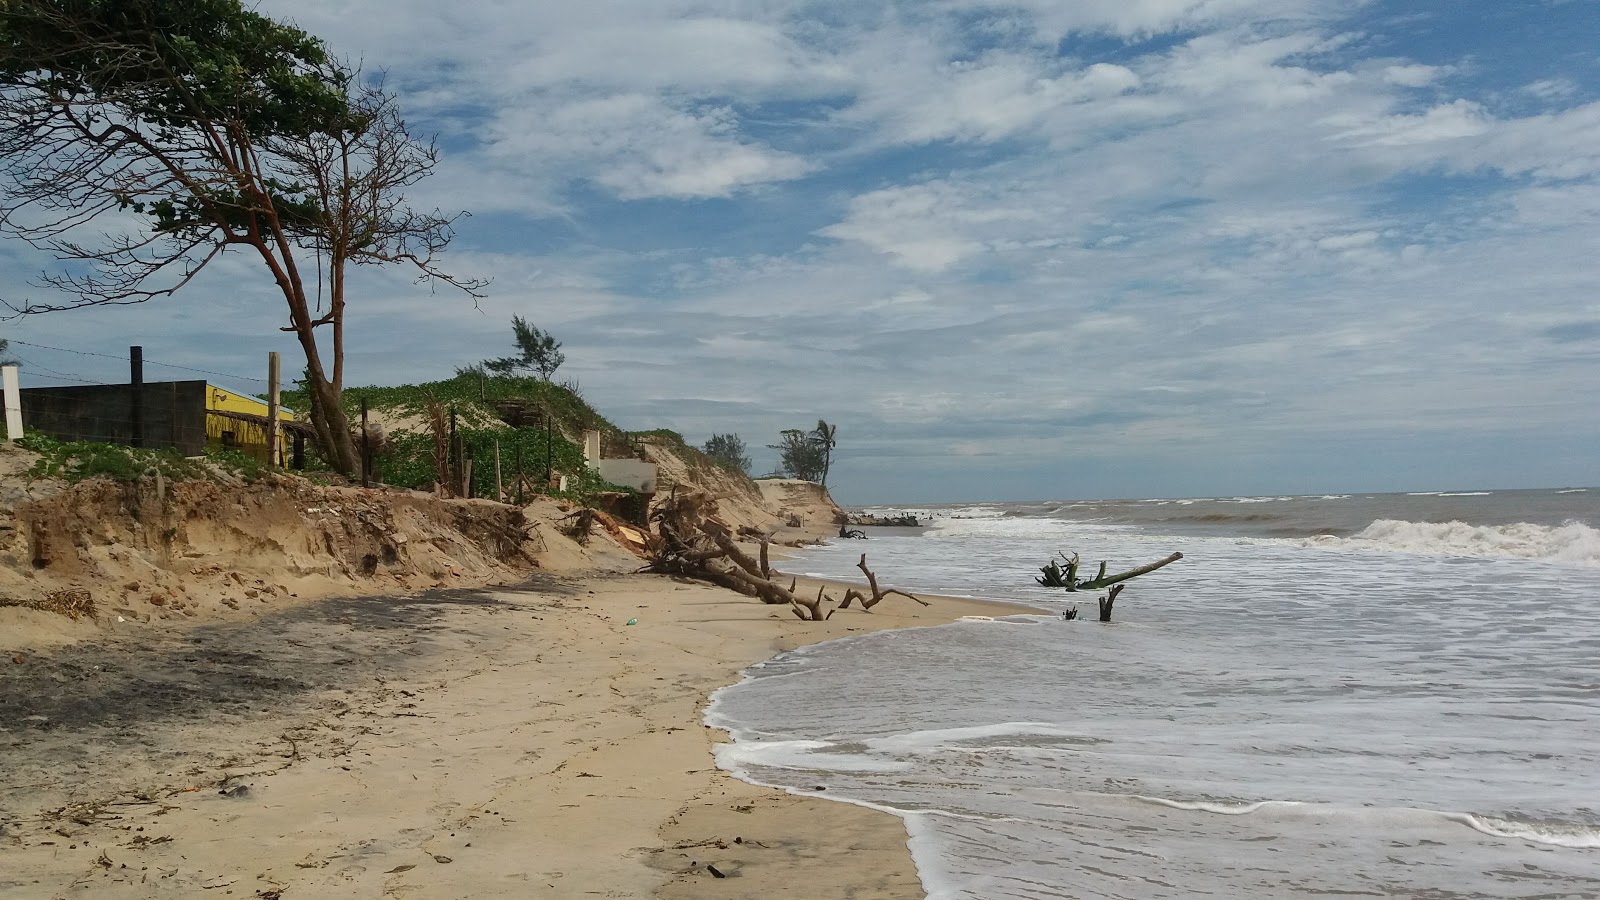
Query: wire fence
<point>29,365</point>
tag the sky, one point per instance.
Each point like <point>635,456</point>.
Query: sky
<point>1032,250</point>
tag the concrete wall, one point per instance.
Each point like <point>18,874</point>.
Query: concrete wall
<point>174,414</point>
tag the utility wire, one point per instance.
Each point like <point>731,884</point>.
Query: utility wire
<point>148,362</point>
<point>49,371</point>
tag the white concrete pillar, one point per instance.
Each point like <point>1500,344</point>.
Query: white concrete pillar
<point>13,401</point>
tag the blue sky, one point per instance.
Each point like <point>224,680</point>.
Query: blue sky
<point>1105,248</point>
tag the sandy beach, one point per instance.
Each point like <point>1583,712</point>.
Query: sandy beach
<point>516,742</point>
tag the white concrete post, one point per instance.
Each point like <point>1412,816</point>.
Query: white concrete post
<point>8,380</point>
<point>591,447</point>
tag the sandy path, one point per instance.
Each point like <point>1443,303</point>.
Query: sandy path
<point>512,743</point>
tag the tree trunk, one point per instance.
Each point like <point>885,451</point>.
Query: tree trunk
<point>332,425</point>
<point>1103,581</point>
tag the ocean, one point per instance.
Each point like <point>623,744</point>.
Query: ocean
<point>1364,695</point>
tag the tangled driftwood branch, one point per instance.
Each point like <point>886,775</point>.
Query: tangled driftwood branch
<point>1055,575</point>
<point>877,593</point>
<point>690,542</point>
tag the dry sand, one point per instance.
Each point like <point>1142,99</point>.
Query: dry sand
<point>496,743</point>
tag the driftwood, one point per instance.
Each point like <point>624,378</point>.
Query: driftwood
<point>846,531</point>
<point>1055,575</point>
<point>877,593</point>
<point>1108,601</point>
<point>690,542</point>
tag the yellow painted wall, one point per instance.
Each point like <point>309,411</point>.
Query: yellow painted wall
<point>248,437</point>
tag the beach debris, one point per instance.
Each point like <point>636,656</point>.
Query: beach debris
<point>690,542</point>
<point>581,522</point>
<point>631,622</point>
<point>715,872</point>
<point>1108,601</point>
<point>1056,575</point>
<point>877,593</point>
<point>1070,614</point>
<point>846,531</point>
<point>904,520</point>
<point>74,603</point>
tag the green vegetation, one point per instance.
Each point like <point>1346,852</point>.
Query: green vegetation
<point>728,451</point>
<point>77,461</point>
<point>807,455</point>
<point>538,352</point>
<point>475,398</point>
<point>484,406</point>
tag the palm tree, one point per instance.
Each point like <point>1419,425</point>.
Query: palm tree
<point>823,436</point>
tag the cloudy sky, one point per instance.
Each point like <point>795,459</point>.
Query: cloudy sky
<point>1041,249</point>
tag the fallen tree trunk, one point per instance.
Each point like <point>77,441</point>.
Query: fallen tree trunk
<point>1102,580</point>
<point>1056,575</point>
<point>691,544</point>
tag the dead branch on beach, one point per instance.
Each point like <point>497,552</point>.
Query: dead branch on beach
<point>690,542</point>
<point>1066,577</point>
<point>877,593</point>
<point>1053,574</point>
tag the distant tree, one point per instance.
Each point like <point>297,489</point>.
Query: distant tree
<point>799,455</point>
<point>537,352</point>
<point>727,450</point>
<point>824,437</point>
<point>4,359</point>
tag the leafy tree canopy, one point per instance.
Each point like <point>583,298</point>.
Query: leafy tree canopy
<point>538,352</point>
<point>727,450</point>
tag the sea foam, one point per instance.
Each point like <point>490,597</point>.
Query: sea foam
<point>1573,542</point>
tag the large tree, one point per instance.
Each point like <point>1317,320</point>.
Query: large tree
<point>216,128</point>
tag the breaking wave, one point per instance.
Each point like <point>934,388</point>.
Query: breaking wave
<point>1573,542</point>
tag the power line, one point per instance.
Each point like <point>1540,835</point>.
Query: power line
<point>148,362</point>
<point>49,371</point>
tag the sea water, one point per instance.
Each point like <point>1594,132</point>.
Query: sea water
<point>1341,696</point>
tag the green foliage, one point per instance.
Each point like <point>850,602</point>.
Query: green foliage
<point>75,461</point>
<point>800,455</point>
<point>825,437</point>
<point>474,397</point>
<point>728,451</point>
<point>666,434</point>
<point>79,460</point>
<point>537,351</point>
<point>173,69</point>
